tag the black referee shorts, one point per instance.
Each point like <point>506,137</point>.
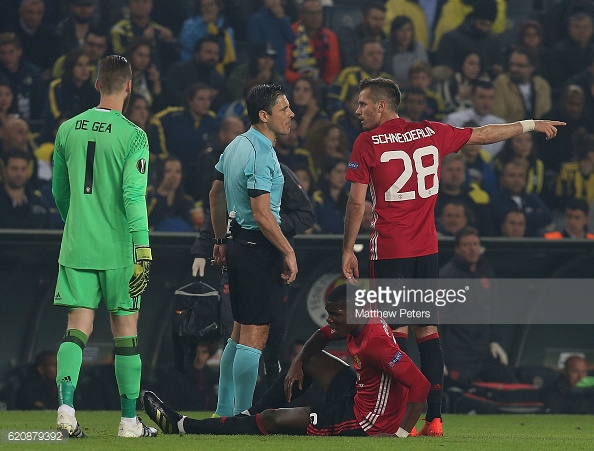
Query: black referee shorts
<point>254,268</point>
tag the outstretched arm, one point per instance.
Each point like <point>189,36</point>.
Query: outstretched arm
<point>488,134</point>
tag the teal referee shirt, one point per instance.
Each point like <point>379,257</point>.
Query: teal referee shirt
<point>249,162</point>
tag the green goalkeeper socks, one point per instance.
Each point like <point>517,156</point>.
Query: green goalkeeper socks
<point>128,369</point>
<point>69,362</point>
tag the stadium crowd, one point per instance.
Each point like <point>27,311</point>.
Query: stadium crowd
<point>194,61</point>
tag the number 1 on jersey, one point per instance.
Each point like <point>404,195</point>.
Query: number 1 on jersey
<point>89,167</point>
<point>394,194</point>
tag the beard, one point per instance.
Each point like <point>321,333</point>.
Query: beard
<point>126,103</point>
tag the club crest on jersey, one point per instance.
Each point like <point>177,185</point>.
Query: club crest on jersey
<point>395,359</point>
<point>353,165</point>
<point>141,165</point>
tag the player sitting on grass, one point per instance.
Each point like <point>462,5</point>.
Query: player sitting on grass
<point>384,394</point>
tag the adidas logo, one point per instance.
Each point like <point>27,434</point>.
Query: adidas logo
<point>57,297</point>
<point>66,379</point>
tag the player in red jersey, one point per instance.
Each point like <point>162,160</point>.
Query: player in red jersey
<point>400,162</point>
<point>384,394</point>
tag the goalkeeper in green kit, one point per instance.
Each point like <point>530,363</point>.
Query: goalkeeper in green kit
<point>99,183</point>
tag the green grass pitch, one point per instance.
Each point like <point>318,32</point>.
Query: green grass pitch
<point>462,432</point>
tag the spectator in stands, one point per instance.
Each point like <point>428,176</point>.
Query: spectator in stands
<point>482,97</point>
<point>570,109</point>
<point>452,188</point>
<point>73,29</point>
<point>210,22</point>
<point>16,135</point>
<point>414,104</point>
<point>454,216</point>
<point>512,195</point>
<point>576,222</point>
<point>272,24</point>
<point>198,185</point>
<point>40,44</point>
<point>305,103</point>
<point>420,76</point>
<point>288,151</point>
<point>565,396</point>
<point>373,13</point>
<point>330,200</point>
<point>514,224</point>
<point>531,36</point>
<point>347,117</point>
<point>184,131</point>
<point>424,16</point>
<point>520,148</point>
<point>456,88</point>
<point>326,140</point>
<point>315,50</point>
<point>139,24</point>
<point>585,80</point>
<point>8,106</point>
<point>138,112</point>
<point>572,54</point>
<point>370,56</point>
<point>478,165</point>
<point>519,93</point>
<point>194,389</point>
<point>146,78</point>
<point>199,70</point>
<point>557,17</point>
<point>73,93</point>
<point>455,12</point>
<point>39,391</point>
<point>238,108</point>
<point>576,178</point>
<point>20,206</point>
<point>402,50</point>
<point>94,46</point>
<point>260,69</point>
<point>472,352</point>
<point>473,35</point>
<point>23,76</point>
<point>169,207</point>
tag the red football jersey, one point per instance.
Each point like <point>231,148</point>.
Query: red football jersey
<point>382,369</point>
<point>400,161</point>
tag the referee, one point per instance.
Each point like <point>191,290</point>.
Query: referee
<point>259,259</point>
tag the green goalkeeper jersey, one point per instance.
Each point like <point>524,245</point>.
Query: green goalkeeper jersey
<point>99,183</point>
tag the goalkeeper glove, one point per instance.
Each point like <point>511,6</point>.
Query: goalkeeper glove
<point>140,278</point>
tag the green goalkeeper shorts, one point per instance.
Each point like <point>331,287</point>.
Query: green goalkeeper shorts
<point>84,288</point>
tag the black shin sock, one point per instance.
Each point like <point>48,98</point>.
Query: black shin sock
<point>275,395</point>
<point>432,367</point>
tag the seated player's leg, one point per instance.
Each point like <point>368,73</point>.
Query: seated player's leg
<point>282,421</point>
<point>124,327</point>
<point>78,290</point>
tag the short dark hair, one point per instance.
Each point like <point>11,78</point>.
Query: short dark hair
<point>484,84</point>
<point>135,44</point>
<point>364,42</point>
<point>114,72</point>
<point>383,89</point>
<point>339,294</point>
<point>262,97</point>
<point>465,231</point>
<point>513,210</point>
<point>577,204</point>
<point>522,50</point>
<point>372,4</point>
<point>15,154</point>
<point>10,38</point>
<point>191,91</point>
<point>201,41</point>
